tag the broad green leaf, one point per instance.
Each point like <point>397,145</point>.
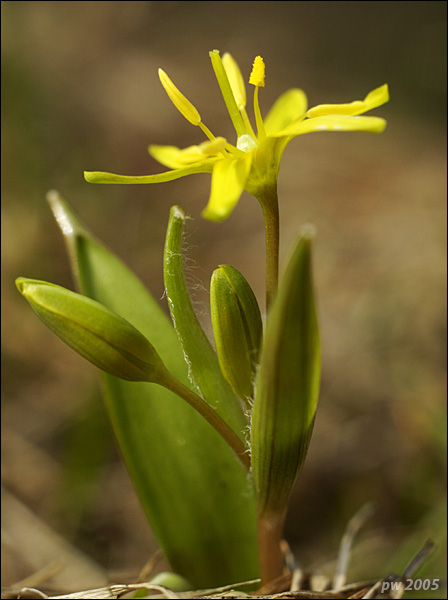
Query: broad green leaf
<point>193,489</point>
<point>287,385</point>
<point>198,351</point>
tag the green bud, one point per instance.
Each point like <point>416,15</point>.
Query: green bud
<point>95,332</point>
<point>237,328</point>
<point>287,384</point>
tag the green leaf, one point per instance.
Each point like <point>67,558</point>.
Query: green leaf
<point>194,491</point>
<point>198,351</point>
<point>287,385</point>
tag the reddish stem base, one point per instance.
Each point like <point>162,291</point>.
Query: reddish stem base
<point>270,534</point>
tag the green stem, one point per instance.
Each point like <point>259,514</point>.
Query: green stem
<point>210,415</point>
<point>269,204</point>
<point>270,534</point>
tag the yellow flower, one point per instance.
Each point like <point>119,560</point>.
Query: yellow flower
<point>253,162</point>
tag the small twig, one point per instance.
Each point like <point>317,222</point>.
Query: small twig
<point>310,595</point>
<point>409,571</point>
<point>29,590</point>
<point>356,590</point>
<point>419,559</point>
<point>219,590</point>
<point>319,582</point>
<point>377,588</point>
<point>360,593</point>
<point>116,591</point>
<point>293,566</point>
<point>149,566</point>
<point>412,568</point>
<point>291,562</point>
<point>296,580</point>
<point>281,584</point>
<point>353,526</point>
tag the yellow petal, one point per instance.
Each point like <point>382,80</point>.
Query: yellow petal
<point>205,166</point>
<point>228,181</point>
<point>175,158</point>
<point>352,108</point>
<point>375,98</point>
<point>213,147</point>
<point>166,155</point>
<point>334,123</point>
<point>288,107</point>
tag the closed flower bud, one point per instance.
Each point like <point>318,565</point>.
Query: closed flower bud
<point>287,385</point>
<point>101,336</point>
<point>237,328</point>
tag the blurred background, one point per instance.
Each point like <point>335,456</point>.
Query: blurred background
<point>80,91</point>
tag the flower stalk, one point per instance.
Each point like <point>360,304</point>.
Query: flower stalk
<point>269,204</point>
<point>211,416</point>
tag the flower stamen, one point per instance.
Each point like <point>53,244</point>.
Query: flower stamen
<point>238,88</point>
<point>183,105</point>
<point>235,79</point>
<point>207,131</point>
<point>258,72</point>
<point>258,120</point>
<point>257,79</point>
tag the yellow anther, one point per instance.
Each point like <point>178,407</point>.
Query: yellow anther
<point>184,106</point>
<point>235,79</point>
<point>258,71</point>
<point>213,147</point>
